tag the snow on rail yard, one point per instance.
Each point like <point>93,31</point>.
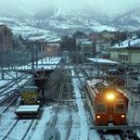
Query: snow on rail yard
<point>80,123</point>
<point>78,127</point>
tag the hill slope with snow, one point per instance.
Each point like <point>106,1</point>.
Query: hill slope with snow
<point>55,22</point>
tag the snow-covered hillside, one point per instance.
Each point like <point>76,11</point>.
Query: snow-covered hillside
<point>53,23</point>
<point>128,21</point>
<point>53,27</point>
<point>28,28</point>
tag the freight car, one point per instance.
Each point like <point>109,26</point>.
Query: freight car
<point>110,104</point>
<point>29,102</point>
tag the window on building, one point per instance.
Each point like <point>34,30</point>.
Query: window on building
<point>123,57</point>
<point>126,57</point>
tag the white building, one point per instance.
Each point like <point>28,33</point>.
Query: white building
<point>127,51</point>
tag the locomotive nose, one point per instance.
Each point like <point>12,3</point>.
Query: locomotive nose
<point>110,118</point>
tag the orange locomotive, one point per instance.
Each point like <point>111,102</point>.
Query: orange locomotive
<point>110,105</point>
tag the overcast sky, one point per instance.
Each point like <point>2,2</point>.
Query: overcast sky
<point>113,6</point>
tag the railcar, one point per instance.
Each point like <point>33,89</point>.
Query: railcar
<point>110,104</point>
<point>29,102</point>
<point>30,96</point>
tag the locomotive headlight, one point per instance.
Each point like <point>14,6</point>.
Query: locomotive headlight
<point>110,96</point>
<point>98,116</point>
<point>122,116</point>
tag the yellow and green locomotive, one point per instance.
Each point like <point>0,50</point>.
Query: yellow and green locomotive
<point>29,102</point>
<point>30,96</point>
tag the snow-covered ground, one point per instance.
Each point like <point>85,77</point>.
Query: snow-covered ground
<point>80,128</point>
<point>81,121</point>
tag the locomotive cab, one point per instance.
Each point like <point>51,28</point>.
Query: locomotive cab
<point>29,104</point>
<point>111,108</point>
<point>110,104</point>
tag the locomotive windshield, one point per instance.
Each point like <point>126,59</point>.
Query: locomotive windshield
<point>119,108</point>
<point>110,108</point>
<point>100,108</point>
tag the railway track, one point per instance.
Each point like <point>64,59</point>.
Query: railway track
<point>84,124</point>
<point>111,137</point>
<point>8,102</point>
<point>61,103</point>
<point>101,135</point>
<point>10,97</point>
<point>122,136</point>
<point>7,99</point>
<point>117,136</point>
<point>24,125</point>
<point>9,130</point>
<point>53,121</point>
<point>31,127</point>
<point>11,91</point>
<point>68,91</point>
<point>11,85</point>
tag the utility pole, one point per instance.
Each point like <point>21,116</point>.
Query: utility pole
<point>42,54</point>
<point>33,56</point>
<point>3,63</point>
<point>36,55</point>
